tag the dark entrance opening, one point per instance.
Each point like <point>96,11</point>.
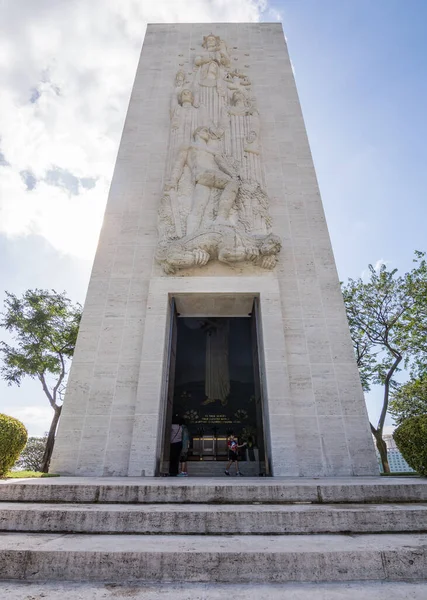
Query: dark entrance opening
<point>214,385</point>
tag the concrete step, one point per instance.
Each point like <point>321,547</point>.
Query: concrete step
<point>222,519</point>
<point>229,490</point>
<point>216,559</point>
<point>216,468</point>
<point>384,590</point>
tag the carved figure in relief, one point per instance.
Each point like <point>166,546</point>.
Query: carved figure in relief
<point>239,100</point>
<point>211,61</point>
<point>241,105</point>
<point>180,78</point>
<point>214,205</point>
<point>220,242</point>
<point>186,98</point>
<point>209,170</point>
<point>185,106</point>
<point>238,81</point>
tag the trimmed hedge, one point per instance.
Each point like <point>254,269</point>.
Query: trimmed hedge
<point>13,437</point>
<point>411,439</point>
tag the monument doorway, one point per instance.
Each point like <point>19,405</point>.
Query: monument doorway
<point>214,384</point>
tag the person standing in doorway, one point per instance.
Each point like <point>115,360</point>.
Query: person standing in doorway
<point>175,445</point>
<point>184,451</point>
<point>233,458</point>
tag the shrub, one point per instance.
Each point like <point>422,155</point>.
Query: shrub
<point>13,437</point>
<point>411,439</point>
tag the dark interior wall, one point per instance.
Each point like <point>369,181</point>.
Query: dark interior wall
<point>238,413</point>
<point>191,350</point>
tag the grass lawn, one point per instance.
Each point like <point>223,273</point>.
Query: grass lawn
<point>26,474</point>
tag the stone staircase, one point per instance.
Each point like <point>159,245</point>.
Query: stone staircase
<point>231,531</point>
<point>215,468</point>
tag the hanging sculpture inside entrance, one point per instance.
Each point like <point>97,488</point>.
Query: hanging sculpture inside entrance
<point>214,204</point>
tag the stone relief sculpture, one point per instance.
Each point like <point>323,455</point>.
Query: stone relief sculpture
<point>214,204</point>
<point>221,242</point>
<point>209,170</point>
<point>212,63</point>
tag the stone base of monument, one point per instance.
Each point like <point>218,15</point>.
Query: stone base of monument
<point>383,590</point>
<point>240,532</point>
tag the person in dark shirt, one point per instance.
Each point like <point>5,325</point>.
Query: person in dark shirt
<point>233,446</point>
<point>175,445</point>
<point>184,451</point>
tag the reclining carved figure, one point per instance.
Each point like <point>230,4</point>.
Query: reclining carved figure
<point>220,242</point>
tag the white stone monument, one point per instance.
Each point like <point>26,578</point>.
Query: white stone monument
<point>214,212</point>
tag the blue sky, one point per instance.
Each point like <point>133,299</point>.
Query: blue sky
<point>361,71</point>
<point>67,68</point>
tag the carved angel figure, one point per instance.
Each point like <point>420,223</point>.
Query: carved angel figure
<point>220,242</point>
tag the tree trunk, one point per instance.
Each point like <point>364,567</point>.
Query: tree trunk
<point>50,440</point>
<point>382,449</point>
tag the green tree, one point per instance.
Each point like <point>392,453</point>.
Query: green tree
<point>31,457</point>
<point>44,326</point>
<point>416,288</point>
<point>379,312</point>
<point>409,400</point>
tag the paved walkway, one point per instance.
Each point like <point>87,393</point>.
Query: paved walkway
<point>329,591</point>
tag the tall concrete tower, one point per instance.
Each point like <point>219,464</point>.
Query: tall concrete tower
<point>214,296</point>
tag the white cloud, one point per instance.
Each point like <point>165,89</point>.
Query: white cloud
<point>36,419</point>
<point>76,61</point>
<point>377,266</point>
<point>379,263</point>
<point>70,223</point>
<point>274,15</point>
